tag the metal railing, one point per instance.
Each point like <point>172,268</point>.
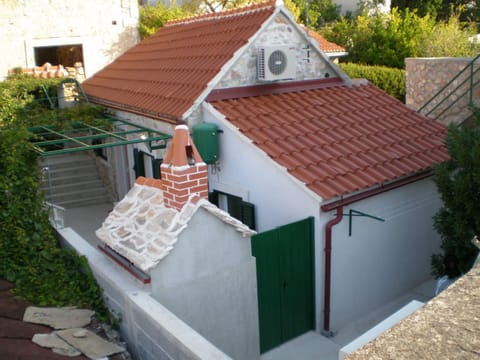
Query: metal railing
<point>449,95</point>
<point>56,215</point>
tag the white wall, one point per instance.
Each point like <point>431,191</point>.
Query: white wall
<point>151,331</point>
<point>279,199</point>
<point>209,281</point>
<point>382,260</point>
<point>31,23</point>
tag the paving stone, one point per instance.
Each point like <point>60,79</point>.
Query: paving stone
<point>92,345</point>
<point>55,343</point>
<point>58,318</point>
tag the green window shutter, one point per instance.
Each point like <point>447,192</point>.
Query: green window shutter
<point>156,168</point>
<point>138,166</point>
<point>213,197</point>
<point>248,214</point>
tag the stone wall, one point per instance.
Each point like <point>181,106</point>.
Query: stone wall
<point>280,32</point>
<point>98,30</point>
<point>425,77</point>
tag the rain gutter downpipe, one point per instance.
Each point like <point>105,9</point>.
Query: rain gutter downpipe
<point>338,206</point>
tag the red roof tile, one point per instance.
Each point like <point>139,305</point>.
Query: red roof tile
<point>339,139</point>
<point>162,76</point>
<point>327,46</point>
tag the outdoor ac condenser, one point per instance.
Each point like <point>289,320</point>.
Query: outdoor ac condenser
<point>276,63</point>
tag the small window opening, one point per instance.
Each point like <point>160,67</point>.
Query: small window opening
<point>190,158</point>
<point>66,55</point>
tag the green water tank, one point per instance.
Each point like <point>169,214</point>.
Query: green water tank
<point>205,137</point>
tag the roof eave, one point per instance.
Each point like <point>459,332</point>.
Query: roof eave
<point>134,110</point>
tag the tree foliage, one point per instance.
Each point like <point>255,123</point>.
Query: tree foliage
<point>442,10</point>
<point>153,18</point>
<point>387,39</point>
<point>458,181</point>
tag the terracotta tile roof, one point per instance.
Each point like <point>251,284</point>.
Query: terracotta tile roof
<point>327,46</point>
<point>338,139</point>
<point>162,76</point>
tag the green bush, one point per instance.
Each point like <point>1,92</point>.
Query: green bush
<point>390,80</point>
<point>458,182</point>
<point>30,255</point>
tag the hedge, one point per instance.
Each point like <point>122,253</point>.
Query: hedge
<point>390,80</point>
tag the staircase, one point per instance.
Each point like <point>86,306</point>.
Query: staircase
<point>72,180</point>
<point>453,103</point>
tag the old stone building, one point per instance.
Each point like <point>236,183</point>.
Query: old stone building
<point>76,34</point>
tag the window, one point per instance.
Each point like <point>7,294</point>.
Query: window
<point>66,55</point>
<point>235,206</point>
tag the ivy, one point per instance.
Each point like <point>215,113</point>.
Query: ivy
<point>30,254</point>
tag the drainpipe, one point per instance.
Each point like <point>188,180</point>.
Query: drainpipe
<point>328,270</point>
<point>338,206</point>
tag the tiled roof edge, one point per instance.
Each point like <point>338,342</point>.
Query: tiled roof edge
<point>275,88</point>
<point>223,14</point>
<point>134,110</point>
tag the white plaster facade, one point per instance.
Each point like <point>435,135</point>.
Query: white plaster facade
<point>209,281</point>
<point>373,266</point>
<point>104,29</point>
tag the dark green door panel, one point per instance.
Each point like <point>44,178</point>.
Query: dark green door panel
<point>285,282</point>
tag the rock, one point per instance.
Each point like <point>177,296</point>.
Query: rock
<point>92,345</point>
<point>58,318</point>
<point>58,345</point>
<point>82,333</point>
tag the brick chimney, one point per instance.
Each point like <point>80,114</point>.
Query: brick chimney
<point>183,171</point>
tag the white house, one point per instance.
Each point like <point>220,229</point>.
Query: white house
<point>332,173</point>
<point>197,257</point>
<point>89,34</point>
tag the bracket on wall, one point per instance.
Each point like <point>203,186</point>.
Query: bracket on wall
<point>353,213</point>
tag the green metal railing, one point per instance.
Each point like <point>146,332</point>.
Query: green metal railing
<point>448,96</point>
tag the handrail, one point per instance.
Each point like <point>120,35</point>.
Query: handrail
<point>472,84</point>
<point>469,66</point>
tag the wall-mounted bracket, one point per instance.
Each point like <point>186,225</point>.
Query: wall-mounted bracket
<point>353,213</point>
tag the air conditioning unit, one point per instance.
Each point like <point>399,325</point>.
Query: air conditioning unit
<point>276,63</point>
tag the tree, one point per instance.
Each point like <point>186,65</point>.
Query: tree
<point>153,18</point>
<point>458,181</point>
<point>442,9</point>
<point>387,39</point>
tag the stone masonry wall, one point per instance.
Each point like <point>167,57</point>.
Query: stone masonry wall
<point>279,33</point>
<point>425,77</point>
<point>104,29</point>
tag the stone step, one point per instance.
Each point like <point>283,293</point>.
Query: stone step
<point>72,170</point>
<point>73,185</point>
<point>74,203</point>
<point>72,180</point>
<point>67,179</point>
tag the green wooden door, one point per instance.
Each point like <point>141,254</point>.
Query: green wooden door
<point>285,281</point>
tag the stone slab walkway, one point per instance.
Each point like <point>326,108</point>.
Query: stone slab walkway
<point>16,335</point>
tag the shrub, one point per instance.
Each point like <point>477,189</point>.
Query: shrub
<point>458,181</point>
<point>390,80</point>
